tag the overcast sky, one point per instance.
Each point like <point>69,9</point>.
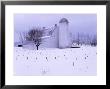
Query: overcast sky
<point>85,23</point>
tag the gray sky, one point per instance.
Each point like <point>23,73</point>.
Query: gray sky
<point>84,23</point>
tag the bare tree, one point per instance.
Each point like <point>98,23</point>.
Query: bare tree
<point>84,39</point>
<point>94,41</point>
<point>35,35</point>
<point>78,39</point>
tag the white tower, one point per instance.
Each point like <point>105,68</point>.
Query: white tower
<point>64,40</point>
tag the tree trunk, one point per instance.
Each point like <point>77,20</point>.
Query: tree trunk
<point>37,46</point>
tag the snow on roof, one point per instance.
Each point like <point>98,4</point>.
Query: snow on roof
<point>63,20</point>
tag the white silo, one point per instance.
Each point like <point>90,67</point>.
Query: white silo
<point>64,40</point>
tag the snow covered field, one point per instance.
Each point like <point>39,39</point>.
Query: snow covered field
<point>55,62</point>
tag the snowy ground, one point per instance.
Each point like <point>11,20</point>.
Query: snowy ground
<point>56,62</point>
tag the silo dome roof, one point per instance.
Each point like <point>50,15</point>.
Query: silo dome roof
<point>63,20</point>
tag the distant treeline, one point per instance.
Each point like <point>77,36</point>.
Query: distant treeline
<point>84,39</point>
